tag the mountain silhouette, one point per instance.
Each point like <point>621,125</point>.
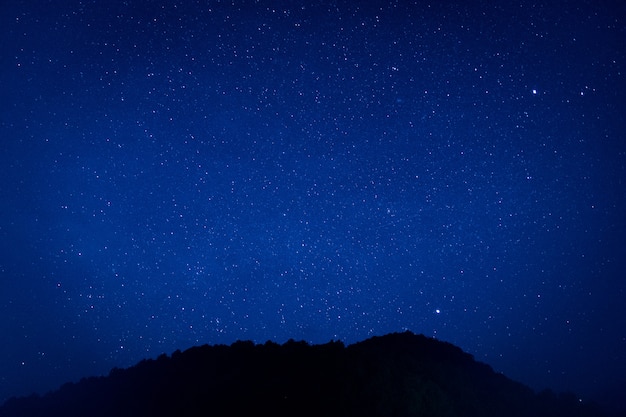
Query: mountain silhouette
<point>400,374</point>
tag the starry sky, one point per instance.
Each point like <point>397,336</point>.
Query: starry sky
<point>175,173</point>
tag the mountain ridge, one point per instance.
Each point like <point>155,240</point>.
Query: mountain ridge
<point>399,374</point>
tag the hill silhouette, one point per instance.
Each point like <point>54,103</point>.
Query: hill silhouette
<point>400,374</point>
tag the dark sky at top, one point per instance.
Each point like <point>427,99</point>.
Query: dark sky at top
<point>181,173</point>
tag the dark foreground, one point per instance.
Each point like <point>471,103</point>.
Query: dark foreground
<point>400,374</point>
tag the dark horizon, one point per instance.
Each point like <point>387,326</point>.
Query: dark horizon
<point>609,404</point>
<point>394,374</point>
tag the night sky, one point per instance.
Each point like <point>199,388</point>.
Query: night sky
<point>181,173</point>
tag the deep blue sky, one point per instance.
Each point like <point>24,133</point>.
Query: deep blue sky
<point>181,173</point>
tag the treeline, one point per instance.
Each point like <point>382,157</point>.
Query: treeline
<point>399,374</point>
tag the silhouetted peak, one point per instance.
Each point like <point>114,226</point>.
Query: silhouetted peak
<point>399,374</point>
